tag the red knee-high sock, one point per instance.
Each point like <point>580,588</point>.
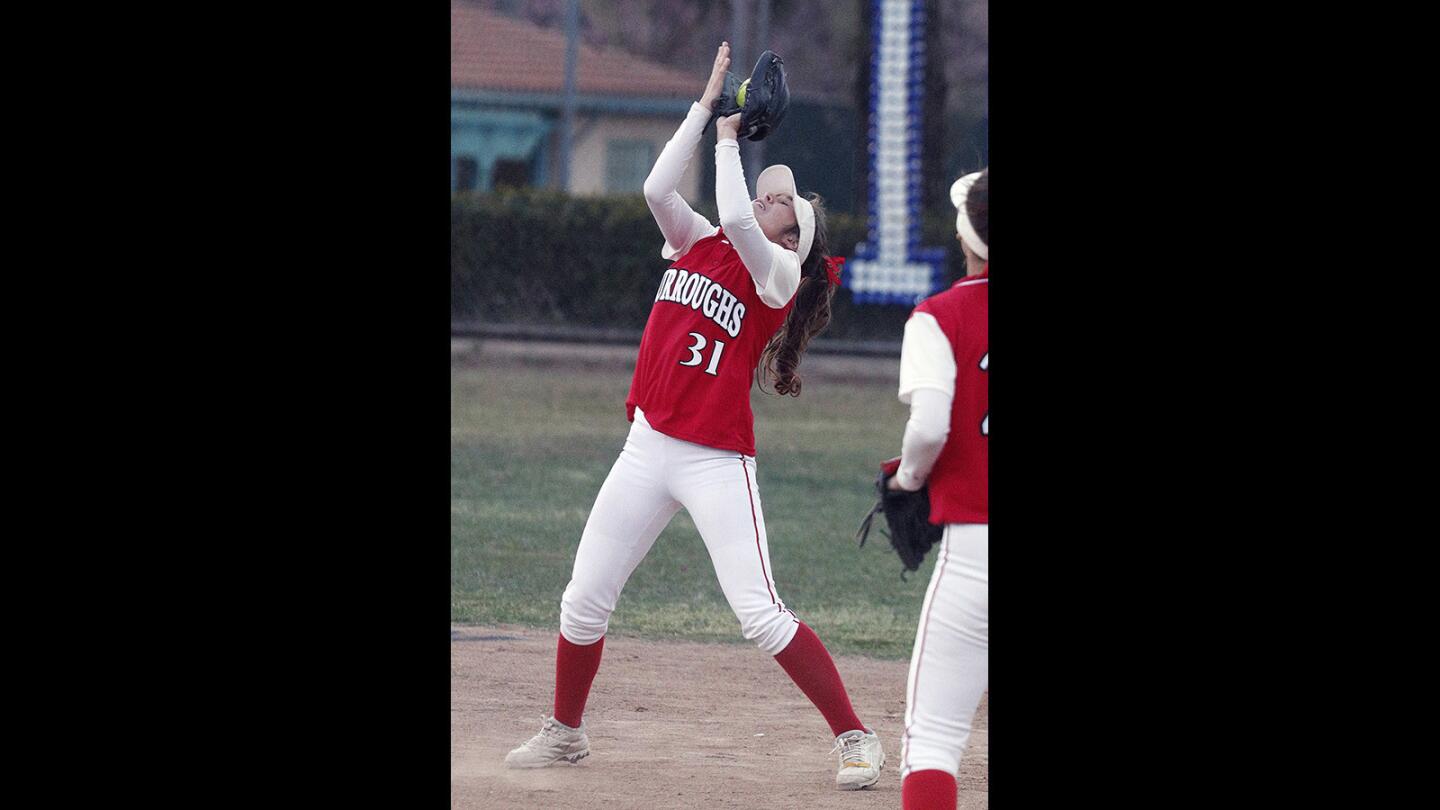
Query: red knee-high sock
<point>575,668</point>
<point>809,665</point>
<point>928,790</point>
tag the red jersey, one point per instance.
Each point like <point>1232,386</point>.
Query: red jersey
<point>701,345</point>
<point>960,480</point>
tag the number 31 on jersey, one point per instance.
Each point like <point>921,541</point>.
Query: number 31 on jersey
<point>697,354</point>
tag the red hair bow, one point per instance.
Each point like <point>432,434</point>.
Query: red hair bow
<point>832,268</point>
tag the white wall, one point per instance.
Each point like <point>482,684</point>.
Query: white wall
<point>587,163</point>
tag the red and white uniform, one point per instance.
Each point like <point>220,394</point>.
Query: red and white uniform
<point>692,441</point>
<point>944,376</point>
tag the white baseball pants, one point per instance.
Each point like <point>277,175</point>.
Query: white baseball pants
<point>950,665</point>
<point>655,476</point>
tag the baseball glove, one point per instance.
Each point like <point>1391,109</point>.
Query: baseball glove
<point>766,98</point>
<point>908,515</point>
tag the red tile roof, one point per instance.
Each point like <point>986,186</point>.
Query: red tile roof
<point>490,51</point>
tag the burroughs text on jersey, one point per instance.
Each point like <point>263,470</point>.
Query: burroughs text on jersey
<point>702,294</point>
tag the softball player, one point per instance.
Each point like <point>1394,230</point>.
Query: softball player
<point>944,373</point>
<point>753,290</point>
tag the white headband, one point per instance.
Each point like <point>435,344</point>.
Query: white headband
<point>958,193</point>
<point>779,178</point>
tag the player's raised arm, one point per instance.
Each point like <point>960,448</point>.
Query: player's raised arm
<point>775,270</point>
<point>680,224</point>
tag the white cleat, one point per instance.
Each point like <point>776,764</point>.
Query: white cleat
<point>861,759</point>
<point>556,742</point>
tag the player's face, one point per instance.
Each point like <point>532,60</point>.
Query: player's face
<point>776,215</point>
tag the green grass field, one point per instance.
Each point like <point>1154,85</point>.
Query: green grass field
<point>531,446</point>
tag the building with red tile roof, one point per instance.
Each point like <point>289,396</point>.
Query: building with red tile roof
<point>507,79</point>
<point>490,51</point>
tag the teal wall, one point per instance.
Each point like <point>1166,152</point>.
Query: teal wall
<point>486,136</point>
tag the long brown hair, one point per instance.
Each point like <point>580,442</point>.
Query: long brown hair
<point>808,318</point>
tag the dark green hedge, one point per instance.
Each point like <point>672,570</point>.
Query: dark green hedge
<point>543,257</point>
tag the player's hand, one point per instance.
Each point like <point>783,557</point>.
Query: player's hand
<point>894,484</point>
<point>728,127</point>
<point>716,84</point>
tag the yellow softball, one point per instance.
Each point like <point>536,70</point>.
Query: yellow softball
<point>740,95</point>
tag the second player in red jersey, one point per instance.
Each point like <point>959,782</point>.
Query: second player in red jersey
<point>945,377</point>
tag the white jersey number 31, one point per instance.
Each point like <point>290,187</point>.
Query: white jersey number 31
<point>696,358</point>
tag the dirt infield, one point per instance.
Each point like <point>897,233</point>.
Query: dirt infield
<point>672,725</point>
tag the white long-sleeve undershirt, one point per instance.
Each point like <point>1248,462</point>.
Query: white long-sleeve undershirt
<point>779,269</point>
<point>927,382</point>
<point>925,435</point>
<point>776,270</point>
<point>680,224</point>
